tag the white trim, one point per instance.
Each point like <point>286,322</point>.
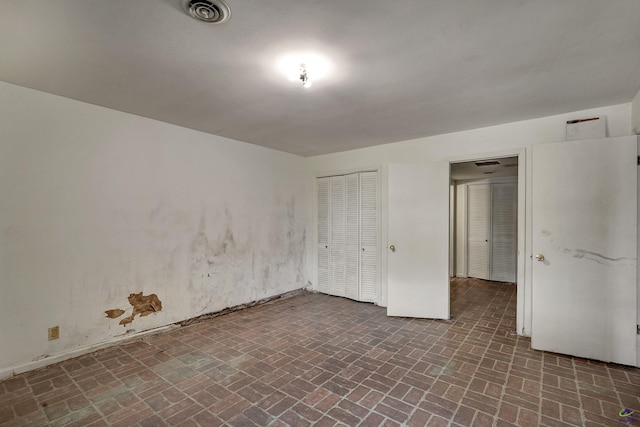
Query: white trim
<point>486,156</point>
<point>347,171</point>
<point>461,231</point>
<point>382,297</point>
<point>50,360</point>
<point>523,223</point>
<point>493,180</point>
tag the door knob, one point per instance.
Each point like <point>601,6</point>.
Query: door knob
<point>393,248</point>
<point>540,257</point>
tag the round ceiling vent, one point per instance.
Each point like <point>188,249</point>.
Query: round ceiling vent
<point>212,11</point>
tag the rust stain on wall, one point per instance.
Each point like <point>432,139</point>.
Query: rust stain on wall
<point>142,305</point>
<point>115,313</point>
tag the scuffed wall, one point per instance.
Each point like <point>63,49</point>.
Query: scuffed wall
<point>98,205</point>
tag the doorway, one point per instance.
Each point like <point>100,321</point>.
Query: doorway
<point>484,220</point>
<point>419,236</point>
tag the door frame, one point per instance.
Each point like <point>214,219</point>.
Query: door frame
<point>523,290</point>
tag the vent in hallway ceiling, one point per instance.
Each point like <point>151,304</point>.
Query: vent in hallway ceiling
<point>487,163</point>
<point>211,11</point>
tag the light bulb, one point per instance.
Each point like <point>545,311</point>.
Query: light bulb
<point>295,65</point>
<point>304,76</point>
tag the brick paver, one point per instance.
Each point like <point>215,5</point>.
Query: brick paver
<point>319,360</point>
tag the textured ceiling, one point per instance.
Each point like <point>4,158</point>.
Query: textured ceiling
<point>400,69</point>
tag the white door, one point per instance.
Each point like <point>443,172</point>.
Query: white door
<point>352,258</point>
<point>369,236</point>
<point>479,230</point>
<point>348,236</point>
<point>504,231</point>
<point>585,226</point>
<point>323,234</point>
<point>418,229</point>
<point>338,237</point>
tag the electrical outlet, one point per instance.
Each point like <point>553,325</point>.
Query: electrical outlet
<point>54,333</point>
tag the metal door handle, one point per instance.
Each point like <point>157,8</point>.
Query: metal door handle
<point>393,248</point>
<point>540,257</point>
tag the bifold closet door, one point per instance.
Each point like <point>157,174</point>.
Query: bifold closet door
<point>352,269</point>
<point>348,252</point>
<point>504,231</point>
<point>323,234</point>
<point>492,215</point>
<point>338,235</point>
<point>369,236</point>
<point>478,230</point>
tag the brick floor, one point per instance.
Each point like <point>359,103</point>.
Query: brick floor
<point>326,361</point>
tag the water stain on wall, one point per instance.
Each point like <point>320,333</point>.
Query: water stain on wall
<point>205,254</point>
<point>289,239</point>
<point>142,305</point>
<point>218,261</point>
<point>231,264</point>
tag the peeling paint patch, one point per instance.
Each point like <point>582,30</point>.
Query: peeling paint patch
<point>142,305</point>
<point>114,314</point>
<point>145,305</point>
<point>127,320</point>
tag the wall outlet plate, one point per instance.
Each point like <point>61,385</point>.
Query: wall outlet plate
<point>54,333</point>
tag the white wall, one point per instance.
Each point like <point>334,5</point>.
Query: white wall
<point>98,204</point>
<point>509,139</point>
<point>635,114</point>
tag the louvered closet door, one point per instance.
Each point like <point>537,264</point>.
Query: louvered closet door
<point>369,236</point>
<point>504,231</point>
<point>479,229</point>
<point>352,243</point>
<point>323,234</point>
<point>337,246</point>
<point>348,252</point>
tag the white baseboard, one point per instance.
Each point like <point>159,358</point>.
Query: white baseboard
<point>7,373</point>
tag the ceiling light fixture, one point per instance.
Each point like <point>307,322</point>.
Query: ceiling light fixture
<point>304,67</point>
<point>304,76</point>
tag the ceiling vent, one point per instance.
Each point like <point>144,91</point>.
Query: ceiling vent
<point>211,11</point>
<point>487,163</point>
